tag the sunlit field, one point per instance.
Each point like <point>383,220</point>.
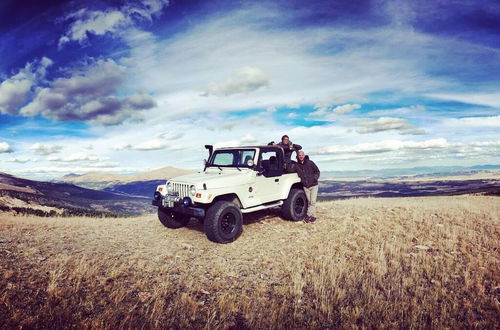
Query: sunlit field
<point>387,263</point>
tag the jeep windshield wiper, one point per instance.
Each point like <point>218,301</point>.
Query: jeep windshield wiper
<point>239,169</point>
<point>220,168</point>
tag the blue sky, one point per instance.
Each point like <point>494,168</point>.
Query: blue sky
<point>129,86</point>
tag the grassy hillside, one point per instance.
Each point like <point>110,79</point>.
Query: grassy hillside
<point>20,195</point>
<point>428,262</point>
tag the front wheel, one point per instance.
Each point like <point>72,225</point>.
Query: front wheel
<point>223,222</point>
<point>171,219</point>
<point>295,206</point>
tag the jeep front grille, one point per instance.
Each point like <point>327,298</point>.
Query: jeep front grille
<point>181,188</point>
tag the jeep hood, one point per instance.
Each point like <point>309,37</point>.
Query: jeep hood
<point>216,179</point>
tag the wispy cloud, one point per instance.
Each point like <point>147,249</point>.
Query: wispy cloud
<point>86,22</point>
<point>246,80</point>
<point>150,145</point>
<point>45,149</point>
<point>385,146</point>
<point>22,160</point>
<point>76,157</point>
<point>382,124</point>
<point>487,99</point>
<point>329,112</point>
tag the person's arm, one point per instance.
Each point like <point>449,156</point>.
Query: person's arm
<point>297,147</point>
<point>316,171</point>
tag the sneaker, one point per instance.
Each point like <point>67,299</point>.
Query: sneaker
<point>312,219</point>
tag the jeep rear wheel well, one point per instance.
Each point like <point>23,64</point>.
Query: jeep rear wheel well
<point>296,185</point>
<point>232,198</point>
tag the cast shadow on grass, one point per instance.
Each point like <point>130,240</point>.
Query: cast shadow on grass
<point>249,219</point>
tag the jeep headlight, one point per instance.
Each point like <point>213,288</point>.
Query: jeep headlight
<point>192,190</point>
<point>169,186</point>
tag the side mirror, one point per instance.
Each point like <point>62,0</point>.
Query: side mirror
<point>250,163</point>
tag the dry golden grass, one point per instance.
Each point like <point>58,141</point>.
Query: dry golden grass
<point>385,263</point>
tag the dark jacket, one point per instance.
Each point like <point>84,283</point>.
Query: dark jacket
<point>308,172</point>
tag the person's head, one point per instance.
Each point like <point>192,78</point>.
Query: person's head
<point>301,155</point>
<point>285,139</point>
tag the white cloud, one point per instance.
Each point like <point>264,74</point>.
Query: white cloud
<point>122,146</point>
<point>487,99</point>
<point>494,144</point>
<point>155,144</point>
<point>77,157</point>
<point>93,22</point>
<point>246,80</point>
<point>15,90</point>
<point>384,146</point>
<point>292,115</point>
<point>87,95</point>
<point>341,109</point>
<point>386,124</point>
<point>329,112</point>
<point>404,111</point>
<point>22,160</point>
<point>474,122</point>
<point>5,147</point>
<point>248,139</point>
<point>98,22</point>
<point>245,140</point>
<point>199,57</point>
<point>45,149</point>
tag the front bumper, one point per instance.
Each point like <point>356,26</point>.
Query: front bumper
<point>178,207</point>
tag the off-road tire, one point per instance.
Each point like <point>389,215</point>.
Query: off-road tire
<point>223,222</point>
<point>171,219</point>
<point>295,206</point>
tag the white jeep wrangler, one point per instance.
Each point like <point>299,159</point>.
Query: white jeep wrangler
<point>235,181</point>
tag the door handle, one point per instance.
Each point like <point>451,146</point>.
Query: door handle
<point>276,180</point>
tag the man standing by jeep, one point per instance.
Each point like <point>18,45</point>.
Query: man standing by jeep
<point>309,175</point>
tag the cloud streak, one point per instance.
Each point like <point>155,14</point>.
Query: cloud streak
<point>45,149</point>
<point>382,124</point>
<point>246,80</point>
<point>100,22</point>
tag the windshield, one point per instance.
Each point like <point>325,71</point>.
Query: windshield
<point>232,157</point>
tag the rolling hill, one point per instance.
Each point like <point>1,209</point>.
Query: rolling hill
<point>49,198</point>
<point>99,180</point>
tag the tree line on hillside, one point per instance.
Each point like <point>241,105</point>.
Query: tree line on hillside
<point>67,212</point>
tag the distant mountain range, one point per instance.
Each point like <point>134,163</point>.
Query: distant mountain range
<point>414,172</point>
<point>50,198</point>
<point>103,194</point>
<point>142,184</point>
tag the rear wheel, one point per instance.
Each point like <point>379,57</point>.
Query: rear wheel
<point>171,219</point>
<point>223,222</point>
<point>295,206</point>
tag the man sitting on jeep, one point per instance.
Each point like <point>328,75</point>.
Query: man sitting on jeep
<point>288,148</point>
